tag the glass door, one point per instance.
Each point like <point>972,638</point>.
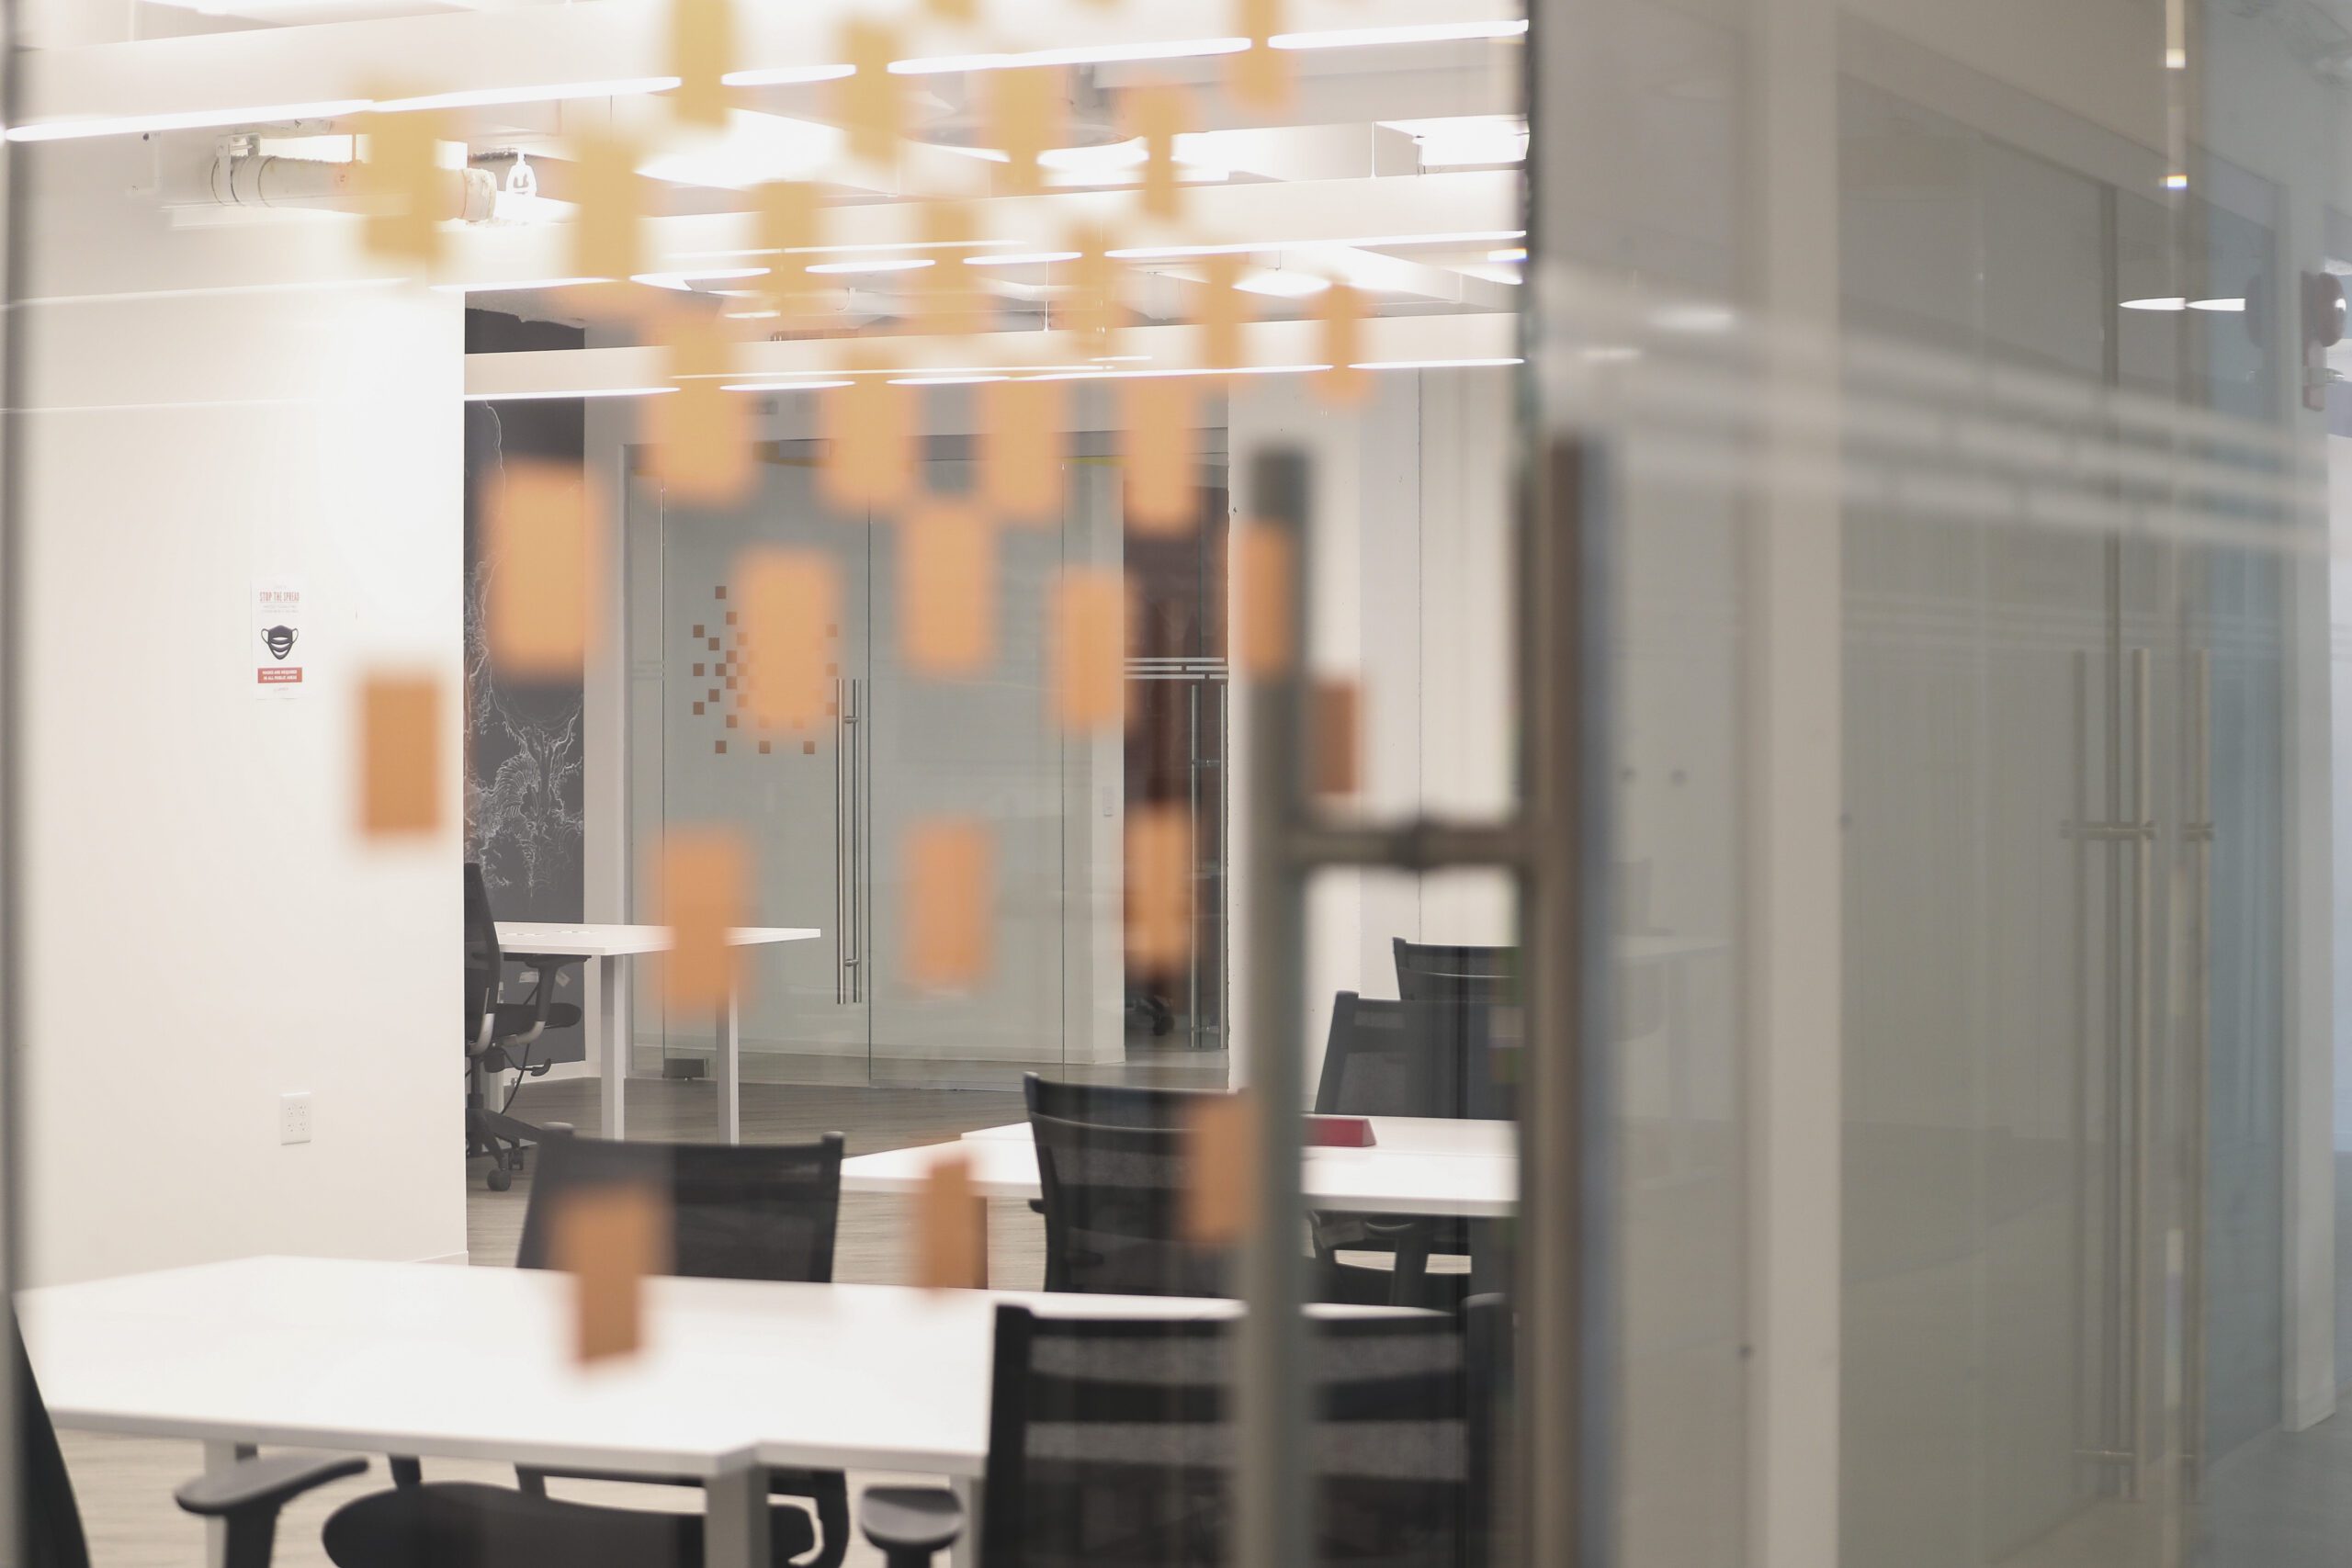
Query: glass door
<point>982,748</point>
<point>803,800</point>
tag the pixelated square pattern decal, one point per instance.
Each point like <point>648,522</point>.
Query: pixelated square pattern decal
<point>723,705</point>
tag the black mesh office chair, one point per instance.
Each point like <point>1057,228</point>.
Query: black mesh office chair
<point>1387,1058</point>
<point>500,1034</point>
<point>1110,1446</point>
<point>1112,1105</point>
<point>1113,1190</point>
<point>247,1496</point>
<point>738,1212</point>
<point>1431,973</point>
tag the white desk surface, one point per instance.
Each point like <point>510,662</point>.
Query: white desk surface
<point>1376,1180</point>
<point>613,942</point>
<point>440,1360</point>
<point>1391,1134</point>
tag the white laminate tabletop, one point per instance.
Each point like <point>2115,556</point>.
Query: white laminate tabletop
<point>440,1360</point>
<point>1390,1134</point>
<point>1361,1181</point>
<point>613,942</point>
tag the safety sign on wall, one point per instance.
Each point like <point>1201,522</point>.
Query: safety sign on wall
<point>277,646</point>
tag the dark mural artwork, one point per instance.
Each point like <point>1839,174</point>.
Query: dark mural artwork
<point>523,784</point>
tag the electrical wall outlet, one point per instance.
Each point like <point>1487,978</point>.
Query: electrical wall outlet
<point>294,1118</point>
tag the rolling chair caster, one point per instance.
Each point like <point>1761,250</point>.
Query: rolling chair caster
<point>500,1179</point>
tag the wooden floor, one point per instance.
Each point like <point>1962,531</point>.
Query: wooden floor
<point>125,1484</point>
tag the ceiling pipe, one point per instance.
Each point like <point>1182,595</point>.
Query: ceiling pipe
<point>262,180</point>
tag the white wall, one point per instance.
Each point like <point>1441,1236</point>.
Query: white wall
<point>206,929</point>
<point>1408,572</point>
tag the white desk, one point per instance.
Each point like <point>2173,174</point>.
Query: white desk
<point>1415,1166</point>
<point>1391,1134</point>
<point>609,1029</point>
<point>399,1357</point>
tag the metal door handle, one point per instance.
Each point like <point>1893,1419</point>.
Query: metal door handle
<point>854,722</point>
<point>841,884</point>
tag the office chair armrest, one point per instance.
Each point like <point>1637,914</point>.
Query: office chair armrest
<point>910,1524</point>
<point>1394,1229</point>
<point>270,1482</point>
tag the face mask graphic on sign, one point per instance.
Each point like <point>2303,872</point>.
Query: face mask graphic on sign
<point>279,640</point>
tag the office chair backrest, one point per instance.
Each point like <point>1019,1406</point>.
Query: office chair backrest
<point>1418,1059</point>
<point>1114,1202</point>
<point>1428,972</point>
<point>738,1211</point>
<point>1109,1105</point>
<point>485,961</point>
<point>53,1520</point>
<point>1386,1059</point>
<point>1109,1442</point>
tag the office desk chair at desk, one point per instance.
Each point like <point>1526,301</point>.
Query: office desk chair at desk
<point>500,1034</point>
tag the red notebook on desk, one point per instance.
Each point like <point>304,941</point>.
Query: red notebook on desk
<point>1338,1132</point>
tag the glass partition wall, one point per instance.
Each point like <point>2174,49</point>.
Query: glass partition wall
<point>1961,387</point>
<point>834,806</point>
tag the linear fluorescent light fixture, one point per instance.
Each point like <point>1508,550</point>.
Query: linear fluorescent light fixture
<point>2158,303</point>
<point>1096,374</point>
<point>190,119</point>
<point>1378,242</point>
<point>949,378</point>
<point>2231,306</point>
<point>548,92</point>
<point>1437,364</point>
<point>1427,32</point>
<point>503,284</point>
<point>546,396</point>
<point>782,386</point>
<point>873,264</point>
<point>1283,285</point>
<point>682,282</point>
<point>1023,258</point>
<point>1078,54</point>
<point>786,75</point>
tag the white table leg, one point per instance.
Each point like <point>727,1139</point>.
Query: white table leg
<point>965,1552</point>
<point>220,1457</point>
<point>730,1072</point>
<point>612,1030</point>
<point>735,1528</point>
